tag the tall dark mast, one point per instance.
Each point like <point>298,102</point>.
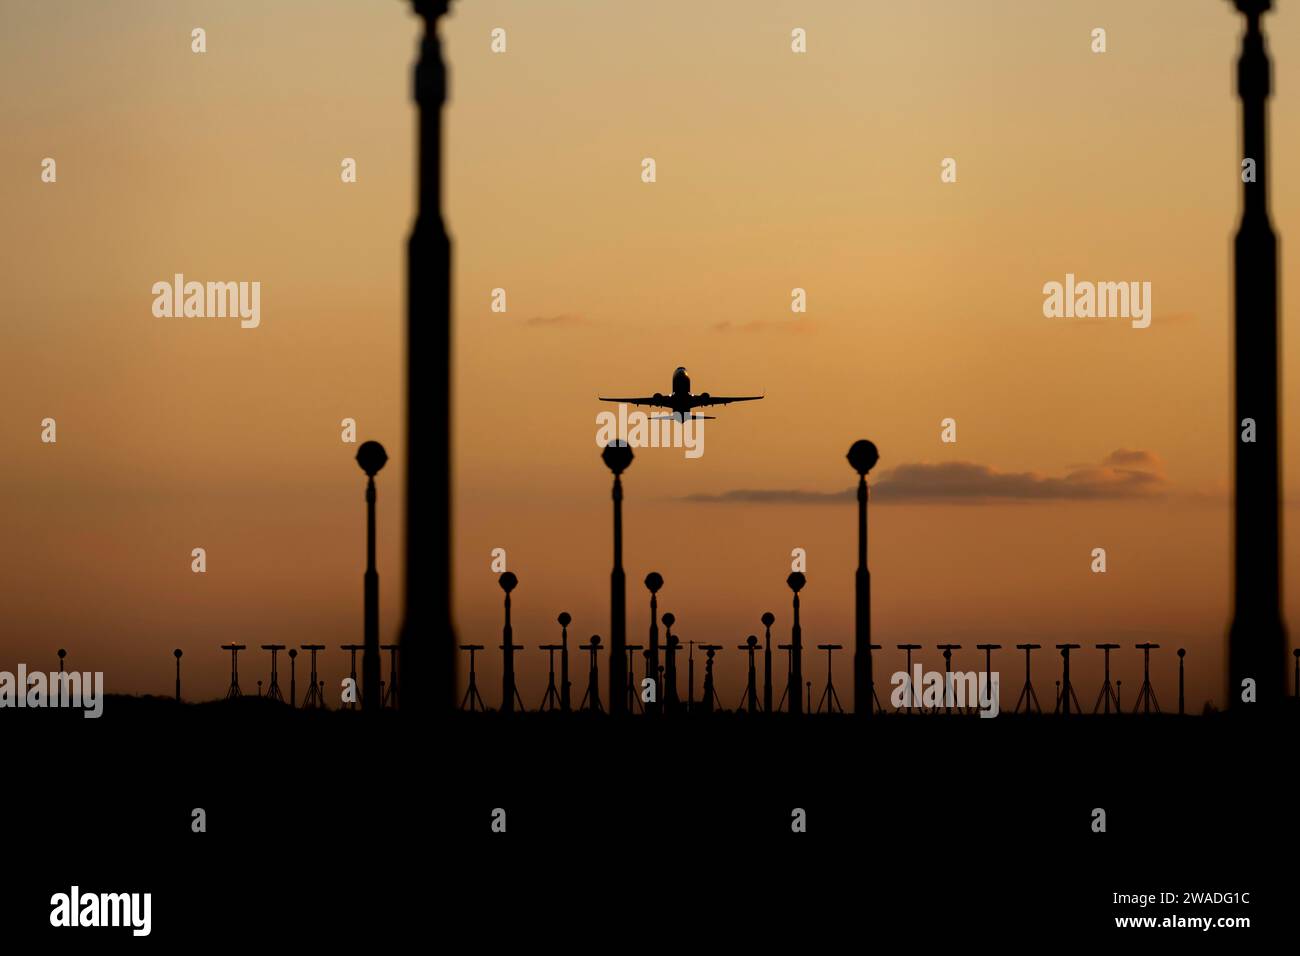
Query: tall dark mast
<point>1257,638</point>
<point>428,644</point>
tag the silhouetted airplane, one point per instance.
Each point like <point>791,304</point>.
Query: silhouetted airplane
<point>681,401</point>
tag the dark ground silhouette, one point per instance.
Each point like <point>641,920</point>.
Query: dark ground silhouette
<point>315,815</point>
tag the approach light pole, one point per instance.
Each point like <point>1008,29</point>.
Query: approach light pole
<point>863,457</point>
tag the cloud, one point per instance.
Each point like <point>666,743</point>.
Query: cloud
<point>1122,474</point>
<point>1133,459</point>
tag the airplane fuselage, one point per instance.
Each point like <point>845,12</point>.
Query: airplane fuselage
<point>680,399</point>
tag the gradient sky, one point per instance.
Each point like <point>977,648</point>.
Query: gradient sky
<point>774,171</point>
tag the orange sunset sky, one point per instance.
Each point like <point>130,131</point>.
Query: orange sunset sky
<point>774,171</point>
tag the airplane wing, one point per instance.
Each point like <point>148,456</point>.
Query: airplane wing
<point>698,401</point>
<point>660,400</point>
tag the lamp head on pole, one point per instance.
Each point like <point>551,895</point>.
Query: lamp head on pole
<point>564,619</point>
<point>371,457</point>
<point>796,581</point>
<point>431,8</point>
<point>863,456</point>
<point>617,455</point>
<point>177,652</point>
<point>768,619</point>
<point>1253,8</point>
<point>654,581</point>
<point>669,619</point>
<point>293,652</point>
<point>508,581</point>
<point>62,653</point>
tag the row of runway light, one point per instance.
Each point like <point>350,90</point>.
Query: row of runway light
<point>656,692</point>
